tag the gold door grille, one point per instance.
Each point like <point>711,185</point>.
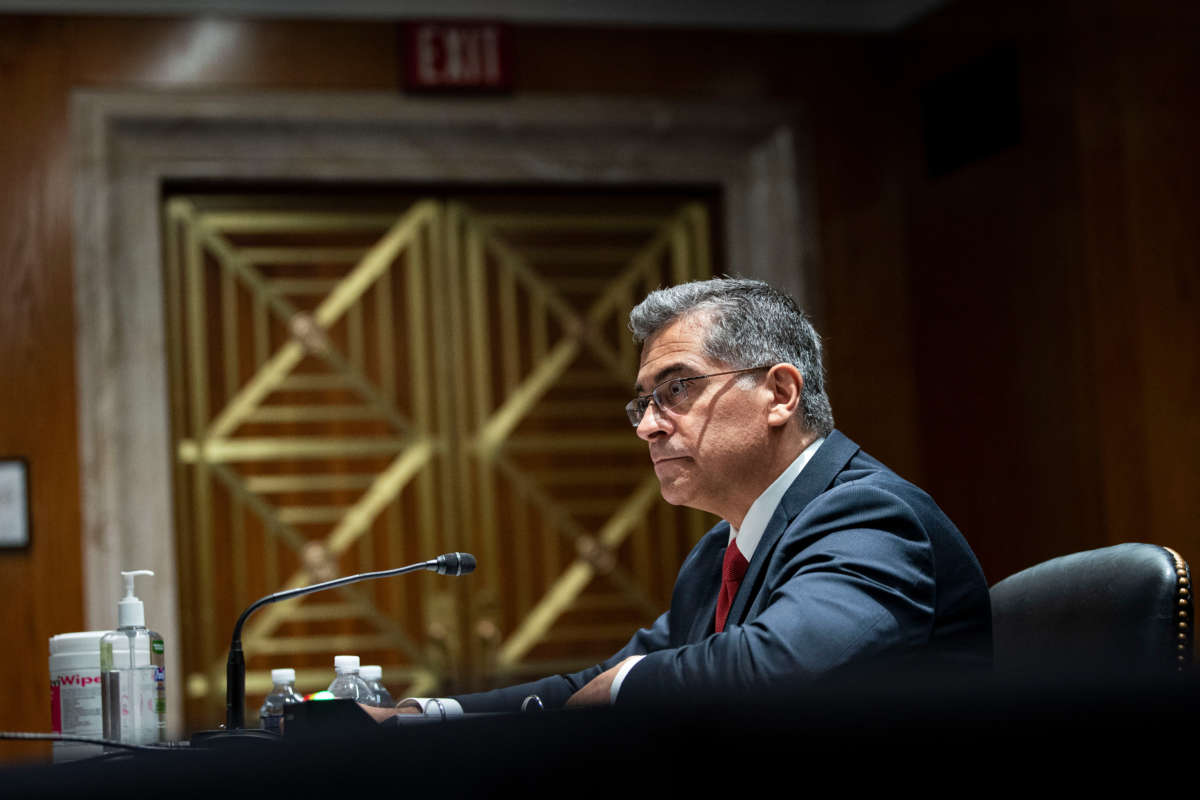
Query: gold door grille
<point>358,385</point>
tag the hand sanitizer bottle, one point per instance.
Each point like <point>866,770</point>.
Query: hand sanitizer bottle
<point>132,685</point>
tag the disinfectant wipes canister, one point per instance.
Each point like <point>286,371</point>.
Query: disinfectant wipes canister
<point>75,692</point>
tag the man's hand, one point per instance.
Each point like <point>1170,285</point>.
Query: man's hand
<point>598,691</point>
<point>380,714</point>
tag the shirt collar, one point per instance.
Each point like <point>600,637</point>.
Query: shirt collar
<point>762,509</point>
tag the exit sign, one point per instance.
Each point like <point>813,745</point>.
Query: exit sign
<point>448,56</point>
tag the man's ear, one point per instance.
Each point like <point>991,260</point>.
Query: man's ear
<point>785,383</point>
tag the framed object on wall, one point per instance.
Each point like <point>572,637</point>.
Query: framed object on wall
<point>14,504</point>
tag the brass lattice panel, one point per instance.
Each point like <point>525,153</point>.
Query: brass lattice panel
<point>360,387</point>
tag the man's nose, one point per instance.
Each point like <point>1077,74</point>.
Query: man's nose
<point>653,423</point>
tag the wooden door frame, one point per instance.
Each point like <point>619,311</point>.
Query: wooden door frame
<point>127,144</point>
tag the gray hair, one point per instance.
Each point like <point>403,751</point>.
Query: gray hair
<point>748,324</point>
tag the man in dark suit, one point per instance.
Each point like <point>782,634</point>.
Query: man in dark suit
<point>825,560</point>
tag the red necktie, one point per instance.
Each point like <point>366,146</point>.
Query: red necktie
<point>732,571</point>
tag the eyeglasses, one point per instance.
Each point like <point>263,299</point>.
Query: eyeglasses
<point>671,393</point>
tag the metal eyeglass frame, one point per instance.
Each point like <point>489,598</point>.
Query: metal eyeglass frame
<point>677,392</point>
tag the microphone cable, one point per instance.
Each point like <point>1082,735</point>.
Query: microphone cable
<point>70,737</point>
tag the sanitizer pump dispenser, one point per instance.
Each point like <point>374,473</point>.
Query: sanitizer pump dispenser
<point>132,676</point>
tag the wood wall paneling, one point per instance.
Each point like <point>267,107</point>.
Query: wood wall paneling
<point>1159,91</point>
<point>1116,380</point>
<point>861,145</point>
<point>180,53</point>
<point>995,268</point>
<point>1054,286</point>
<point>42,588</point>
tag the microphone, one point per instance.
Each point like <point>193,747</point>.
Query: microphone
<point>454,564</point>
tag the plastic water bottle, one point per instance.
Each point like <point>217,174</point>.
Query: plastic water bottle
<point>373,675</point>
<point>283,693</point>
<point>349,684</point>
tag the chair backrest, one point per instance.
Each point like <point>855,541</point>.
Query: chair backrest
<point>1124,610</point>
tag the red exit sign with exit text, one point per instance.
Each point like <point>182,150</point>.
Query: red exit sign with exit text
<point>443,56</point>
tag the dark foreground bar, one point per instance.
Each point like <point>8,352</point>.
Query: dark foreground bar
<point>913,736</point>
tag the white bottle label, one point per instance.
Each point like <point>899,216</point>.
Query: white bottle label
<point>75,702</point>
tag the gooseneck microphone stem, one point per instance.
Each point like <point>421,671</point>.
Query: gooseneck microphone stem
<point>235,668</point>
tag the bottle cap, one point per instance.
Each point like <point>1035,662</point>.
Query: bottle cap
<point>370,672</point>
<point>287,675</point>
<point>344,663</point>
<point>130,610</point>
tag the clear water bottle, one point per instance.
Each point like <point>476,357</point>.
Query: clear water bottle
<point>283,693</point>
<point>373,675</point>
<point>349,684</point>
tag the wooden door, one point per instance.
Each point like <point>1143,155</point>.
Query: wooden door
<point>367,379</point>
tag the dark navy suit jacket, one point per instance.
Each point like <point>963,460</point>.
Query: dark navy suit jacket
<point>857,568</point>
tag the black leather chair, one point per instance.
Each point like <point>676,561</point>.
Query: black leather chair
<point>1120,611</point>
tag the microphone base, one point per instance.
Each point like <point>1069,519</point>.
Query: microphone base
<point>240,738</point>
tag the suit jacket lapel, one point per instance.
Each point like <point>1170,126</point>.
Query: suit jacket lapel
<point>817,476</point>
<point>708,584</point>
